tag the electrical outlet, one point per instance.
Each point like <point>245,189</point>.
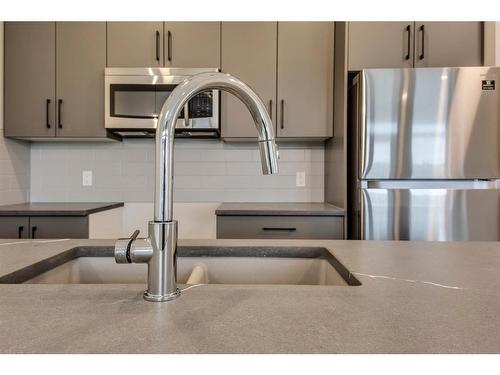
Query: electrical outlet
<point>86,178</point>
<point>300,179</point>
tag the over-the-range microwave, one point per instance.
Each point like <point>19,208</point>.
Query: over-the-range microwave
<point>134,98</point>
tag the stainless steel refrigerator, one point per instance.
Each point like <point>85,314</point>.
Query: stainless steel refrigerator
<point>424,154</point>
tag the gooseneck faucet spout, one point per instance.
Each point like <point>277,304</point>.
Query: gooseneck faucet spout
<point>166,130</point>
<point>159,250</point>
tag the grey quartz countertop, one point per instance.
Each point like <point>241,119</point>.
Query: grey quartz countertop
<point>415,297</point>
<point>57,208</point>
<point>276,209</point>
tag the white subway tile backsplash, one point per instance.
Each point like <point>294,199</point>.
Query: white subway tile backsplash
<point>205,171</point>
<point>200,169</point>
<point>14,171</point>
<point>138,195</point>
<point>292,155</point>
<point>138,169</point>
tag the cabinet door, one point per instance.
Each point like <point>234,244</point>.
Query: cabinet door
<point>14,227</point>
<point>305,79</point>
<point>249,53</point>
<point>135,44</point>
<point>380,45</point>
<point>29,102</point>
<point>448,44</point>
<point>80,61</point>
<point>59,227</point>
<point>192,44</point>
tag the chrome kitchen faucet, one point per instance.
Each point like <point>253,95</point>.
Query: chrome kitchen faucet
<point>159,249</point>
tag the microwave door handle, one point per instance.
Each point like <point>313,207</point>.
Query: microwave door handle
<point>186,115</point>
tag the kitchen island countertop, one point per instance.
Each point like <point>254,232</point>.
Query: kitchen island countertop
<point>415,297</point>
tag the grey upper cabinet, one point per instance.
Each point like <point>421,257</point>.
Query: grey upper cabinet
<point>414,44</point>
<point>135,44</point>
<point>29,92</point>
<point>305,80</point>
<point>448,44</point>
<point>380,45</point>
<point>192,44</point>
<point>249,53</point>
<point>54,79</point>
<point>80,61</point>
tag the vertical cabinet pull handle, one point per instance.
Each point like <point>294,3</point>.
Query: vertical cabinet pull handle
<point>20,231</point>
<point>47,109</point>
<point>282,122</point>
<point>421,57</point>
<point>408,42</point>
<point>33,231</point>
<point>169,46</point>
<point>59,120</point>
<point>271,109</point>
<point>157,45</point>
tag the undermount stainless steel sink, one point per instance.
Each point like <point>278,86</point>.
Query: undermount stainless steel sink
<point>196,265</point>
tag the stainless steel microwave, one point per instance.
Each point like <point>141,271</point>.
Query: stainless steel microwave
<point>134,98</point>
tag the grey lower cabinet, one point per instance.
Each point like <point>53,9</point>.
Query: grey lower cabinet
<point>280,227</point>
<point>34,227</point>
<point>290,66</point>
<point>59,227</point>
<point>414,44</point>
<point>54,81</point>
<point>14,227</point>
<point>192,44</point>
<point>135,44</point>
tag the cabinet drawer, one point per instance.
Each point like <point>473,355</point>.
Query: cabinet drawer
<point>59,227</point>
<point>281,227</point>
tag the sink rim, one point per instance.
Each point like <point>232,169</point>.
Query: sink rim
<point>314,252</point>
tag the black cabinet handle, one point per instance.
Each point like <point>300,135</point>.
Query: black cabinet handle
<point>421,57</point>
<point>282,122</point>
<point>47,109</point>
<point>408,42</point>
<point>59,120</point>
<point>20,231</point>
<point>271,109</point>
<point>33,230</point>
<point>157,45</point>
<point>282,229</point>
<point>169,46</point>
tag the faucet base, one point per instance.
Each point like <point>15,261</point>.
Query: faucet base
<point>160,298</point>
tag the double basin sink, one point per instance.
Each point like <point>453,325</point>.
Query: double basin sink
<point>195,265</point>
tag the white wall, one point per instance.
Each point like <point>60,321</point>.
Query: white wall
<point>14,156</point>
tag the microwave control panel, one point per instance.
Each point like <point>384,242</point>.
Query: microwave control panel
<point>201,105</point>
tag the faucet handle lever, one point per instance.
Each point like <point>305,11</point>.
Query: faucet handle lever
<point>122,248</point>
<point>135,234</point>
